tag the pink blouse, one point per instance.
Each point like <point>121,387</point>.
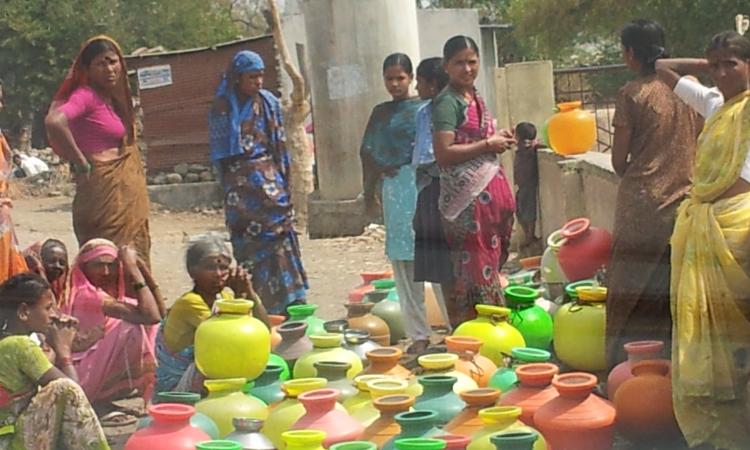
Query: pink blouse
<point>95,125</point>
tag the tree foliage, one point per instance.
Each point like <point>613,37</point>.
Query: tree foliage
<point>556,29</point>
<point>40,38</point>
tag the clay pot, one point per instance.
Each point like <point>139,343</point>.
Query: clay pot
<point>294,341</point>
<point>267,386</point>
<point>534,391</point>
<point>247,433</point>
<point>438,395</point>
<point>467,422</point>
<point>385,427</point>
<point>281,418</point>
<point>496,420</point>
<point>644,405</point>
<point>225,401</point>
<point>306,313</point>
<point>445,364</point>
<point>515,440</point>
<point>275,321</point>
<point>232,343</point>
<point>326,347</point>
<point>384,361</point>
<point>303,439</point>
<point>320,414</point>
<point>637,351</point>
<point>505,377</point>
<point>492,327</point>
<point>576,419</point>
<point>572,130</point>
<point>360,318</point>
<point>335,373</point>
<point>170,429</point>
<point>455,442</point>
<point>415,424</point>
<point>586,249</point>
<point>534,323</point>
<point>470,362</point>
<point>580,327</point>
<point>360,343</point>
<point>200,421</point>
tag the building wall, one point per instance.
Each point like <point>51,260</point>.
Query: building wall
<point>175,128</point>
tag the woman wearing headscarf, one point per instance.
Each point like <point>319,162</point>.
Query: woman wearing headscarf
<point>113,299</point>
<point>91,124</point>
<point>248,146</point>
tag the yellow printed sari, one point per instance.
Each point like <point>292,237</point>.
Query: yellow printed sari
<point>710,297</point>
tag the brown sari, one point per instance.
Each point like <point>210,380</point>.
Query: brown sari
<point>663,133</point>
<point>113,203</point>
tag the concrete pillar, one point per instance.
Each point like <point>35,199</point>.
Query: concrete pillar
<point>531,92</point>
<point>347,41</point>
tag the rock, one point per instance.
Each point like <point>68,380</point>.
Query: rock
<point>182,169</point>
<point>173,178</point>
<point>192,178</point>
<point>197,168</point>
<point>207,176</point>
<point>54,194</point>
<point>160,178</point>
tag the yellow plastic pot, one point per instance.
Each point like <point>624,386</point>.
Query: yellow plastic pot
<point>445,364</point>
<point>326,347</point>
<point>225,401</point>
<point>580,330</point>
<point>303,440</point>
<point>499,419</point>
<point>372,387</point>
<point>232,343</point>
<point>491,326</point>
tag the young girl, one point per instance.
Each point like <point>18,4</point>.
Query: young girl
<point>431,252</point>
<point>208,262</point>
<point>41,405</point>
<point>386,153</point>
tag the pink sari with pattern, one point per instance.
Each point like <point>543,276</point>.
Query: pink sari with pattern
<point>478,207</point>
<point>123,360</point>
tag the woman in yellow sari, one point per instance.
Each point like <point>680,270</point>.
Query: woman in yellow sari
<point>710,282</point>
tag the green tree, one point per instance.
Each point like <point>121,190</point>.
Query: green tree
<point>40,38</point>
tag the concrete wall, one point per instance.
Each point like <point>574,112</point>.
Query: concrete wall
<point>577,186</point>
<point>187,196</point>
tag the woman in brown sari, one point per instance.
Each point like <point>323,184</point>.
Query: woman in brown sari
<point>92,125</point>
<point>653,151</point>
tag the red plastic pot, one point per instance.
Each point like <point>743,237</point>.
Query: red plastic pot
<point>170,429</point>
<point>585,251</point>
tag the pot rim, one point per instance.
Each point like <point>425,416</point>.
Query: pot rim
<point>437,361</point>
<point>644,347</point>
<point>480,397</point>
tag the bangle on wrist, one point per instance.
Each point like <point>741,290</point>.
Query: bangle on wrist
<point>138,285</point>
<point>80,168</point>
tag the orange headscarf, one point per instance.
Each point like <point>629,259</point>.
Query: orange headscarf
<point>122,99</point>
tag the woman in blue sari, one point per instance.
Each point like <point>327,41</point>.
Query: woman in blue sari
<point>248,146</point>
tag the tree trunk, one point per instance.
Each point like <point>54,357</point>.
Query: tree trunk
<point>296,109</point>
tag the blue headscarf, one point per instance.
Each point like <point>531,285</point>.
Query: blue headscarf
<point>225,130</point>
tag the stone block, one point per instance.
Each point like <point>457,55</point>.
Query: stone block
<point>335,218</point>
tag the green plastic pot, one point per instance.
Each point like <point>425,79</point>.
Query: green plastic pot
<point>505,378</point>
<point>219,445</point>
<point>534,323</point>
<point>306,313</point>
<point>420,444</point>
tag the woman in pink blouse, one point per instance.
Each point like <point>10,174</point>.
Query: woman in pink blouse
<point>92,125</point>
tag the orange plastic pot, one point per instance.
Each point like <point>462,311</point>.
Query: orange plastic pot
<point>385,361</point>
<point>572,130</point>
<point>470,362</point>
